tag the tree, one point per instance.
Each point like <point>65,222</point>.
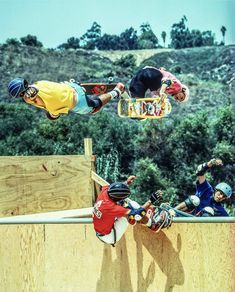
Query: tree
<point>197,39</point>
<point>208,38</point>
<point>145,27</point>
<point>72,43</point>
<point>13,42</point>
<point>179,34</point>
<point>129,39</point>
<point>223,31</point>
<point>91,37</point>
<point>147,39</point>
<point>182,37</point>
<point>149,178</point>
<point>224,124</point>
<point>163,35</point>
<point>31,40</point>
<point>128,61</point>
<point>108,42</point>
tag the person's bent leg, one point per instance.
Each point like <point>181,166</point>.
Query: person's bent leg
<point>114,236</point>
<point>115,93</point>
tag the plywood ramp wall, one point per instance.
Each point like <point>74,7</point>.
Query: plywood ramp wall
<point>44,183</point>
<point>69,258</point>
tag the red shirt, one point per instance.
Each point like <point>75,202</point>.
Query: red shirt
<point>176,85</point>
<point>105,211</point>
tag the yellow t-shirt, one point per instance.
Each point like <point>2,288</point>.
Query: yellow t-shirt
<point>58,98</point>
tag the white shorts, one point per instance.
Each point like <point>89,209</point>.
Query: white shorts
<point>120,226</point>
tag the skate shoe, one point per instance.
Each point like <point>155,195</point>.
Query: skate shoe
<point>161,219</point>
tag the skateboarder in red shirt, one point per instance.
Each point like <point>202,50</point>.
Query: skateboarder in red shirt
<point>111,219</point>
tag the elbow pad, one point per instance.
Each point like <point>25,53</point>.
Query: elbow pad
<point>192,202</point>
<point>202,169</point>
<point>207,212</point>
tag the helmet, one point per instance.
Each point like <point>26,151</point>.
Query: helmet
<point>17,86</point>
<point>224,188</point>
<point>183,95</point>
<point>118,191</point>
<point>185,90</point>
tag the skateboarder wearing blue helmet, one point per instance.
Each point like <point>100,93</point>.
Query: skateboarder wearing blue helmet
<point>207,201</point>
<point>61,98</point>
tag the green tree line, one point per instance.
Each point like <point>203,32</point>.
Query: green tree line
<point>180,37</point>
<point>162,154</point>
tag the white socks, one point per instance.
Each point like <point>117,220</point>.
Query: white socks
<point>115,93</point>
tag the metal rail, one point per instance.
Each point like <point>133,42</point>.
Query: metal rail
<point>16,221</point>
<point>11,221</point>
<point>204,220</point>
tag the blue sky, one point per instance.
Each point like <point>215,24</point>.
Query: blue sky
<point>54,21</point>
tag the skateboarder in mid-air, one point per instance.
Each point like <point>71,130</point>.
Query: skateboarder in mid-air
<point>61,98</point>
<point>159,82</point>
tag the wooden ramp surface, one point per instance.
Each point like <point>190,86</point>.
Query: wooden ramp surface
<point>49,258</point>
<point>39,184</point>
<point>69,258</point>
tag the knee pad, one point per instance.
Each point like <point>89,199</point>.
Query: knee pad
<point>94,101</point>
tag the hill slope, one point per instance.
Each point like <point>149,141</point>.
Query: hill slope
<point>140,55</point>
<point>206,71</point>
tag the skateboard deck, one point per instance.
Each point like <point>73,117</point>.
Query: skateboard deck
<point>98,88</point>
<point>144,108</point>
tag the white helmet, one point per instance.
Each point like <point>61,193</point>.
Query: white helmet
<point>183,95</point>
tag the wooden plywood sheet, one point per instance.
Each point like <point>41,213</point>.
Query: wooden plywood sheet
<point>44,183</point>
<point>186,257</point>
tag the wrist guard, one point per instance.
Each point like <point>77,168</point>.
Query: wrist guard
<point>137,214</point>
<point>202,169</point>
<point>156,197</point>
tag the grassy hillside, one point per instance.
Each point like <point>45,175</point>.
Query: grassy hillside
<point>162,153</point>
<point>207,71</point>
<point>208,63</point>
<point>140,55</point>
<point>38,64</point>
<point>195,65</point>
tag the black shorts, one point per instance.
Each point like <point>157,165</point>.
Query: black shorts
<point>146,78</point>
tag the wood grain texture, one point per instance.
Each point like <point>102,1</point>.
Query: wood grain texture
<point>22,258</point>
<point>44,183</point>
<point>186,257</point>
<point>48,258</point>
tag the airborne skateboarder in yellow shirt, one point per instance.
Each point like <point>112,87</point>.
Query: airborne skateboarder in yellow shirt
<point>61,98</point>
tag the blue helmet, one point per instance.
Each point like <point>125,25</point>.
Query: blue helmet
<point>224,188</point>
<point>17,86</point>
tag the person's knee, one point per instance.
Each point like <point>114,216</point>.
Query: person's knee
<point>94,102</point>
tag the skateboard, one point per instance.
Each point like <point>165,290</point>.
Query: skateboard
<point>144,108</point>
<point>98,88</point>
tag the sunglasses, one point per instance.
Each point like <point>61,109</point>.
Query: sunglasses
<point>30,92</point>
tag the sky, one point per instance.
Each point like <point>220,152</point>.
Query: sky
<point>54,21</point>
